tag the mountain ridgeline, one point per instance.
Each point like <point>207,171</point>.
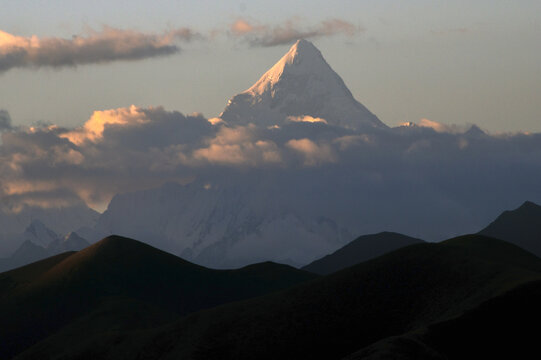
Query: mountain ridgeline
<point>115,311</point>
<point>363,248</point>
<point>521,227</point>
<point>119,283</point>
<point>40,242</point>
<point>382,295</point>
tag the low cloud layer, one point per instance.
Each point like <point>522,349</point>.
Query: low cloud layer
<point>109,44</point>
<point>287,32</point>
<point>135,148</point>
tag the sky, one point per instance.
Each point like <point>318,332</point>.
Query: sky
<point>454,62</point>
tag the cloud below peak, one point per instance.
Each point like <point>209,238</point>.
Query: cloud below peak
<point>134,148</point>
<point>109,44</point>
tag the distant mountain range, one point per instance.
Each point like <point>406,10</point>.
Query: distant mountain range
<point>40,242</point>
<point>518,227</point>
<point>383,295</point>
<point>61,220</point>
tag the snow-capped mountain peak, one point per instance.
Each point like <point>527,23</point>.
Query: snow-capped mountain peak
<point>301,83</point>
<point>70,242</point>
<point>39,234</point>
<point>303,57</point>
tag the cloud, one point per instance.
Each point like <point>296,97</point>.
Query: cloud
<point>312,153</point>
<point>307,118</point>
<point>388,172</point>
<point>238,146</point>
<point>91,163</point>
<point>5,121</point>
<point>93,129</point>
<point>289,31</point>
<point>109,44</point>
<point>437,126</point>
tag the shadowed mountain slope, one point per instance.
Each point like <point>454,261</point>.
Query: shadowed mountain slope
<point>363,248</point>
<point>332,316</point>
<point>121,284</point>
<point>501,327</point>
<point>521,227</point>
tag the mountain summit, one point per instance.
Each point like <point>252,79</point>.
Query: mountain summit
<point>300,85</point>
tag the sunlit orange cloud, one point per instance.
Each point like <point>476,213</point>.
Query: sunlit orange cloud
<point>216,121</point>
<point>436,126</point>
<point>307,118</point>
<point>40,203</point>
<point>439,127</point>
<point>242,26</point>
<point>93,129</point>
<point>9,41</point>
<point>22,187</point>
<point>238,146</point>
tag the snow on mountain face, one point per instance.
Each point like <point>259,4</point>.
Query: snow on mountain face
<point>59,220</point>
<point>300,85</point>
<point>224,225</point>
<point>70,242</point>
<point>39,234</point>
<point>39,242</point>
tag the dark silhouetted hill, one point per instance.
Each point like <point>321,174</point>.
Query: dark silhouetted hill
<point>521,227</point>
<point>327,318</point>
<point>363,248</point>
<point>503,327</point>
<point>120,284</point>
